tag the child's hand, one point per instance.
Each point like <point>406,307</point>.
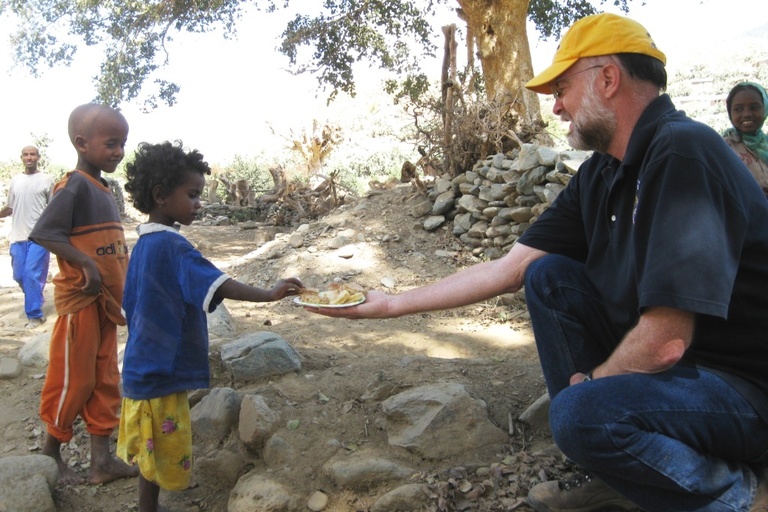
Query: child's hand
<point>285,287</point>
<point>92,284</point>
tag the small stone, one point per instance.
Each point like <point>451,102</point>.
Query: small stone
<point>9,368</point>
<point>296,240</point>
<point>317,502</point>
<point>346,252</point>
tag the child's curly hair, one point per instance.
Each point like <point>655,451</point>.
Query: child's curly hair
<point>163,164</point>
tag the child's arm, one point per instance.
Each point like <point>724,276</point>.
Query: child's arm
<point>235,290</point>
<point>76,257</point>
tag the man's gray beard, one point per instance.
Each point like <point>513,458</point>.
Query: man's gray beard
<point>597,124</point>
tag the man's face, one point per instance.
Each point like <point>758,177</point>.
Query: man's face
<point>577,101</point>
<point>30,156</point>
<point>592,123</point>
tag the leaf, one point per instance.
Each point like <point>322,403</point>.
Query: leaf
<point>293,424</point>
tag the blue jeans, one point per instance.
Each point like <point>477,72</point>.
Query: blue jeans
<point>679,440</point>
<point>30,269</point>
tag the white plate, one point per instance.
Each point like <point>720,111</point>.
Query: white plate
<point>297,300</point>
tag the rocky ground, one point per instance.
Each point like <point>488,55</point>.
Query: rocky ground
<point>374,242</point>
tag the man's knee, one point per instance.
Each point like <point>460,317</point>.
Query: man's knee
<point>549,272</point>
<point>572,421</point>
<point>544,269</point>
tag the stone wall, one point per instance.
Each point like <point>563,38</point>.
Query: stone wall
<point>489,207</point>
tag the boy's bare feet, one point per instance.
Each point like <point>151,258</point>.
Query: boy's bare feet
<point>67,475</point>
<point>105,467</point>
<point>113,470</point>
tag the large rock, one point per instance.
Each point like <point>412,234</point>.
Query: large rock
<point>257,421</point>
<point>278,452</point>
<point>219,468</point>
<point>439,421</point>
<point>9,368</point>
<point>216,414</point>
<point>443,203</point>
<point>34,353</point>
<point>364,470</point>
<point>26,483</point>
<point>406,497</point>
<point>258,355</point>
<point>220,324</point>
<point>537,414</point>
<point>255,492</point>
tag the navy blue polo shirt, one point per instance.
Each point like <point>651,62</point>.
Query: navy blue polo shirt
<point>680,223</point>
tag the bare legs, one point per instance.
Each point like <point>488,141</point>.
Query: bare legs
<point>104,467</point>
<point>67,475</point>
<point>149,493</point>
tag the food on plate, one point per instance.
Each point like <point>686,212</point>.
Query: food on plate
<point>337,293</point>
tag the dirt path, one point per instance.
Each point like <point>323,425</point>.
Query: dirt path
<point>488,347</point>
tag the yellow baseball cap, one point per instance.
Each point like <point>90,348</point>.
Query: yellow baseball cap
<point>591,36</point>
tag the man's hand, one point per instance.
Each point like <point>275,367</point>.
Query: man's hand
<point>578,378</point>
<point>376,305</point>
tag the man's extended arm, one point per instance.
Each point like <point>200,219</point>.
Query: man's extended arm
<point>473,284</point>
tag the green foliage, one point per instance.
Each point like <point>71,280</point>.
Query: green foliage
<point>390,34</point>
<point>7,170</point>
<point>255,170</point>
<point>556,129</point>
<point>42,142</point>
<point>133,34</point>
<point>357,166</point>
<point>552,17</point>
<point>410,89</point>
<point>353,30</point>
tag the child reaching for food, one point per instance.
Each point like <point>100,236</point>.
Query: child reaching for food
<point>169,288</point>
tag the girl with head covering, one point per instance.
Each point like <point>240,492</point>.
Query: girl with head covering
<point>746,105</point>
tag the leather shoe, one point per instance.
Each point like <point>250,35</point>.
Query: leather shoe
<point>581,493</point>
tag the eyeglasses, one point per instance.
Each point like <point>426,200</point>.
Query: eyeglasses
<point>557,90</point>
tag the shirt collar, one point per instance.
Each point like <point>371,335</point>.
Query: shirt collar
<point>154,227</point>
<point>646,127</point>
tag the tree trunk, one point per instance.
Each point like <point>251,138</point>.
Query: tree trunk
<point>470,58</point>
<point>449,87</point>
<point>499,27</point>
<point>278,177</point>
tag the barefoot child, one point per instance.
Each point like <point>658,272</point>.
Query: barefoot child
<point>82,227</point>
<point>169,288</point>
